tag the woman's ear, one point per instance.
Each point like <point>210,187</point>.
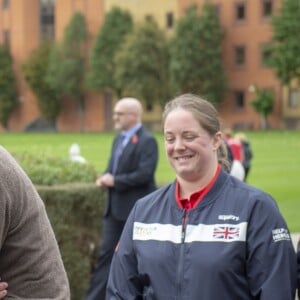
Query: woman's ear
<point>217,140</point>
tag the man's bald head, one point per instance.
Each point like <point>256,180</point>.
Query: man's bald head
<point>127,113</point>
<point>132,104</point>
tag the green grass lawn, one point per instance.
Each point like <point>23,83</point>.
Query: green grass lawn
<point>276,162</point>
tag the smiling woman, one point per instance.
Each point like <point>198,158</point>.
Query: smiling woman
<point>204,220</point>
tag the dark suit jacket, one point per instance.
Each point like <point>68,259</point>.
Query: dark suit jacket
<point>134,177</point>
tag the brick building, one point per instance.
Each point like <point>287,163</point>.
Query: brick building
<point>24,23</point>
<point>248,31</point>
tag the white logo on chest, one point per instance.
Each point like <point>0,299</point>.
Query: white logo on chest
<point>228,217</point>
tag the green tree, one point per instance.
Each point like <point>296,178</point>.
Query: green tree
<point>196,62</point>
<point>184,53</point>
<point>212,72</point>
<point>67,64</point>
<point>109,40</point>
<point>286,42</point>
<point>142,64</point>
<point>8,86</point>
<point>262,103</point>
<point>35,69</point>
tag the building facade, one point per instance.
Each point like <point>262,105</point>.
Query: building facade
<point>25,23</point>
<point>248,31</point>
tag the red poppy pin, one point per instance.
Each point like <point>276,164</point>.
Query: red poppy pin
<point>134,139</point>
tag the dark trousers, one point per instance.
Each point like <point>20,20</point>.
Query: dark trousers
<point>111,232</point>
<point>247,170</point>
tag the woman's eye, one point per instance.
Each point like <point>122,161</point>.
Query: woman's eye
<point>169,139</point>
<point>189,138</point>
<point>183,138</point>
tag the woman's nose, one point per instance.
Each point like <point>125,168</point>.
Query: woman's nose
<point>179,144</point>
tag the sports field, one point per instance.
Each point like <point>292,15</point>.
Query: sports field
<point>276,162</point>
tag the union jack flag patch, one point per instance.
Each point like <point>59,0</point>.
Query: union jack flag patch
<point>226,232</point>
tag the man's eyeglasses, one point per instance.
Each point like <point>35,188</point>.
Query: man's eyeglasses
<point>121,113</point>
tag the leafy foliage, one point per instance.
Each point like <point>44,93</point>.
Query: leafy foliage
<point>8,86</point>
<point>110,38</point>
<point>196,62</point>
<point>212,72</point>
<point>74,211</point>
<point>66,73</point>
<point>184,51</point>
<point>35,70</point>
<point>51,170</point>
<point>143,64</point>
<point>286,42</point>
<point>263,104</point>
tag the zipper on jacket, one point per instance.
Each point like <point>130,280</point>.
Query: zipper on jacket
<point>181,256</point>
<point>183,227</point>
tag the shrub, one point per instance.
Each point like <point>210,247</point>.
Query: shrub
<point>51,170</point>
<point>75,212</point>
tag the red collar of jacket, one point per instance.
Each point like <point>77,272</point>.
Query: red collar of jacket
<point>196,197</point>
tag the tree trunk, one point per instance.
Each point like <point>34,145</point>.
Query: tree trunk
<point>263,122</point>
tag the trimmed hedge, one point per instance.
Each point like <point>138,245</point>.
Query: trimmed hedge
<point>50,170</point>
<point>75,212</point>
<point>74,205</point>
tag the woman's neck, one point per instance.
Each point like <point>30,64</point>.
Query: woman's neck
<point>188,187</point>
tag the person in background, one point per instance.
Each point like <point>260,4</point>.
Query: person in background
<point>206,235</point>
<point>237,169</point>
<point>75,156</point>
<point>235,145</point>
<point>30,261</point>
<point>247,152</point>
<point>128,177</point>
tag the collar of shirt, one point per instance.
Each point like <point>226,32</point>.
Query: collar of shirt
<point>129,133</point>
<point>196,197</point>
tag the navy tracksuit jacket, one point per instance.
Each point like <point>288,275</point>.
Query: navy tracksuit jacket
<point>234,245</point>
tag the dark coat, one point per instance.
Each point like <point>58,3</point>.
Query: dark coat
<point>248,155</point>
<point>233,245</point>
<point>134,177</point>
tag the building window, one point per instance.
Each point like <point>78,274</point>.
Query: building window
<point>267,8</point>
<point>240,12</point>
<point>294,98</point>
<point>169,20</point>
<point>47,19</point>
<point>239,56</point>
<point>5,4</point>
<point>239,100</point>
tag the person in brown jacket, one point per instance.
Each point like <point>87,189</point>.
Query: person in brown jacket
<point>30,260</point>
